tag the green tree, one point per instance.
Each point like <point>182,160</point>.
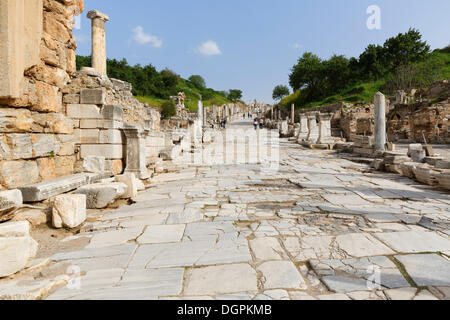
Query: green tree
<point>405,48</point>
<point>335,74</point>
<point>372,62</point>
<point>279,92</point>
<point>306,73</point>
<point>235,95</point>
<point>198,81</point>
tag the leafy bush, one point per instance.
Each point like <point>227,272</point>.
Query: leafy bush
<point>168,109</point>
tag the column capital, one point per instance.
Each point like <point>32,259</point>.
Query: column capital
<point>94,14</point>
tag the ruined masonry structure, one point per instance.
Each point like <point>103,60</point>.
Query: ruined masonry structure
<point>56,121</point>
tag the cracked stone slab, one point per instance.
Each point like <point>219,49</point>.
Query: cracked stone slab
<point>157,282</point>
<point>267,249</point>
<point>281,275</point>
<point>407,293</point>
<point>362,245</point>
<point>162,234</point>
<point>414,241</point>
<point>343,284</point>
<point>223,279</point>
<point>427,269</point>
<point>346,199</point>
<point>381,270</point>
<point>92,280</point>
<point>113,238</point>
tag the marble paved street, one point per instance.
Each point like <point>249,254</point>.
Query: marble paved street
<point>320,227</point>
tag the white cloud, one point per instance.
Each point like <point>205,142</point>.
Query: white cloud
<point>144,38</point>
<point>79,38</point>
<point>297,46</point>
<point>208,48</point>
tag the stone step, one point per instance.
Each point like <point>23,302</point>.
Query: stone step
<point>45,190</point>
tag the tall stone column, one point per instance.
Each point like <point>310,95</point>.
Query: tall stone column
<point>271,113</point>
<point>205,116</point>
<point>98,40</point>
<point>325,128</point>
<point>380,122</point>
<point>200,111</point>
<point>136,151</point>
<point>293,114</point>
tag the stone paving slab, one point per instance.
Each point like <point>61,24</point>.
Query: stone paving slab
<point>221,279</point>
<point>281,275</point>
<point>427,269</point>
<point>414,241</point>
<point>317,229</point>
<point>162,234</point>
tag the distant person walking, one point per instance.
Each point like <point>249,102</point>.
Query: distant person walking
<point>255,124</point>
<point>261,123</point>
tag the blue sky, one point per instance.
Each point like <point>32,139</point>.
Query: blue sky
<point>252,44</point>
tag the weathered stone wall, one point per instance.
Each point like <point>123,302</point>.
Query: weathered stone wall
<point>415,121</point>
<point>101,107</point>
<point>36,137</point>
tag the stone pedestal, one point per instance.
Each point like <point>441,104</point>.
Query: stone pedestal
<point>303,133</point>
<point>98,40</point>
<point>313,128</point>
<point>380,122</point>
<point>136,145</point>
<point>325,128</point>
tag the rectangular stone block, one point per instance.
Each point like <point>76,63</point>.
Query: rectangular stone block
<point>90,124</point>
<point>16,146</point>
<point>111,112</point>
<point>109,151</point>
<point>15,120</point>
<point>44,145</point>
<point>14,174</point>
<point>71,98</point>
<point>93,96</point>
<point>44,190</point>
<point>111,137</point>
<point>111,124</point>
<point>83,111</point>
<point>89,136</point>
<point>10,199</point>
<point>101,124</point>
<point>69,211</point>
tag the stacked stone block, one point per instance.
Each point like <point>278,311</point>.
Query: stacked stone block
<point>36,137</point>
<point>98,129</point>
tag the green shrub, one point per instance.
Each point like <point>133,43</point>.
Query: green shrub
<point>168,109</point>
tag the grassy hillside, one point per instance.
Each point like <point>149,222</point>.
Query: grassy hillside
<point>365,91</point>
<point>210,97</point>
<point>155,87</point>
